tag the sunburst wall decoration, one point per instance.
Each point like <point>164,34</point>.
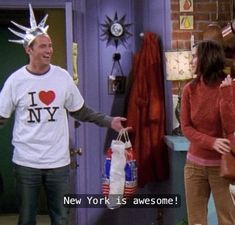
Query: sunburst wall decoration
<point>115,31</point>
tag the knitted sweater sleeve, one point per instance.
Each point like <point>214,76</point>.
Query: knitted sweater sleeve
<point>190,132</point>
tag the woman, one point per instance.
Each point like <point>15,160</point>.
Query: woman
<point>203,127</point>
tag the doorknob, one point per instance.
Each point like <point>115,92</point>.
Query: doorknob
<point>74,165</point>
<point>74,151</point>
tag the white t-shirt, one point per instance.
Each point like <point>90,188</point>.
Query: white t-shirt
<point>40,134</point>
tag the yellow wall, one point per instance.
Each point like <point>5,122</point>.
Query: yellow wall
<point>56,22</point>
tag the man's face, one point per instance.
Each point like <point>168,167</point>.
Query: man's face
<point>40,52</point>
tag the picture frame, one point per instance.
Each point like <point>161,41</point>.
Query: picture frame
<point>186,5</point>
<point>116,84</point>
<point>186,22</point>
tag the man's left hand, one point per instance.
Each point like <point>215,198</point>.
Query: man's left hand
<point>116,124</point>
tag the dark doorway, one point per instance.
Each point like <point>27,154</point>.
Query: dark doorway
<point>12,57</point>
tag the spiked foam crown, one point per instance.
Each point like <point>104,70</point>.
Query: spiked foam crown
<point>32,32</point>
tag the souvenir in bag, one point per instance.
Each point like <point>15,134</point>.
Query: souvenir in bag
<point>120,171</point>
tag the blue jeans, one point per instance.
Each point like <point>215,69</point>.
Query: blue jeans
<point>28,185</point>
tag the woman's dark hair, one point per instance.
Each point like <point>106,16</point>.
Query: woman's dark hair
<point>210,61</point>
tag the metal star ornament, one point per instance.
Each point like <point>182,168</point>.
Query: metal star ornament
<point>115,31</point>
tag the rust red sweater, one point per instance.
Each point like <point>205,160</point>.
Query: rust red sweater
<point>205,116</point>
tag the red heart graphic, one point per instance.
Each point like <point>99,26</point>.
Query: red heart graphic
<point>47,97</point>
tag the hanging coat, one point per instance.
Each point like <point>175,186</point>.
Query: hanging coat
<point>146,112</point>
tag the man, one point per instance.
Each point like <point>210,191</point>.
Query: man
<point>41,94</point>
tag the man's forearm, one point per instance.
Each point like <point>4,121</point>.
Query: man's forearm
<point>87,114</point>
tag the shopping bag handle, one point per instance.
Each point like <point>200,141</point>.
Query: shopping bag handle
<point>120,134</point>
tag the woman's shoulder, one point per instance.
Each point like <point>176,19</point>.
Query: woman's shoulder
<point>189,86</point>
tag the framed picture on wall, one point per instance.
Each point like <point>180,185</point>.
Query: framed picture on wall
<point>186,22</point>
<point>186,5</point>
<point>116,84</point>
